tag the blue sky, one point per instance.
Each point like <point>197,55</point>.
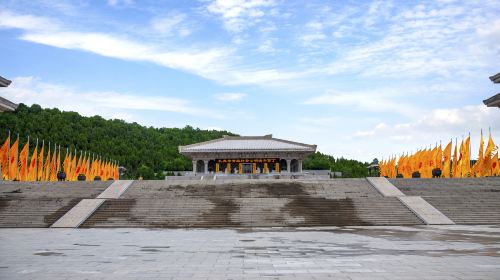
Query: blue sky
<point>361,79</point>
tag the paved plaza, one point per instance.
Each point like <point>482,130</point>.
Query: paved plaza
<point>417,252</point>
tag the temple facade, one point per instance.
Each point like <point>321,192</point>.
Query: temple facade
<point>247,155</point>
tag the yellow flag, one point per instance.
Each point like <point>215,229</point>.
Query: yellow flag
<point>454,163</point>
<point>447,161</point>
<point>465,162</point>
<point>73,168</point>
<point>53,175</point>
<point>66,162</point>
<point>4,158</point>
<point>46,167</point>
<point>439,157</point>
<point>23,162</point>
<point>478,166</point>
<point>40,172</point>
<point>32,166</point>
<point>13,161</point>
<point>58,163</point>
<point>486,169</point>
<point>495,165</point>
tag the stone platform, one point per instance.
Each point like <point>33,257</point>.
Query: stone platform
<point>375,253</point>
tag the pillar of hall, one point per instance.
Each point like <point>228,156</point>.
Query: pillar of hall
<point>288,162</point>
<point>300,165</point>
<point>205,163</point>
<point>194,166</point>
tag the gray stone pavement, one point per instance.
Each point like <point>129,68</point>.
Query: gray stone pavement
<point>418,252</point>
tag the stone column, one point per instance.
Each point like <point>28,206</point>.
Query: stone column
<point>300,165</point>
<point>194,166</point>
<point>288,167</point>
<point>206,166</point>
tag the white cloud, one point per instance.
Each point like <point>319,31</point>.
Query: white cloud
<point>216,64</point>
<point>170,24</point>
<point>123,116</point>
<point>30,90</point>
<point>266,47</point>
<point>378,100</point>
<point>237,15</point>
<point>436,125</point>
<point>116,3</point>
<point>27,22</point>
<point>233,96</point>
<point>383,40</point>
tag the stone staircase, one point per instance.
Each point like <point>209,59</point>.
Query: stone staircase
<point>250,203</point>
<point>465,201</point>
<point>40,204</point>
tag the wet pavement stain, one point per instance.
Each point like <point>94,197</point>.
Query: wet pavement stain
<point>46,254</point>
<point>86,245</point>
<point>150,250</point>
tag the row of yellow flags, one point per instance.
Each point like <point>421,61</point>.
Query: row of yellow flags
<point>19,166</point>
<point>457,165</point>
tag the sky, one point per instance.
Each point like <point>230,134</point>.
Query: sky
<point>360,79</point>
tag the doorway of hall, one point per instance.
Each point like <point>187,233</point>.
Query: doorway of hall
<point>246,168</point>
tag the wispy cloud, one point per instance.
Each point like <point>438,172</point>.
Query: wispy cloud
<point>171,24</point>
<point>216,63</point>
<point>230,97</point>
<point>436,125</point>
<point>118,3</point>
<point>386,100</point>
<point>238,15</point>
<point>30,90</point>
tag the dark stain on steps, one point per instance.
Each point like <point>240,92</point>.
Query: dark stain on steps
<point>220,214</point>
<point>322,211</point>
<point>116,208</point>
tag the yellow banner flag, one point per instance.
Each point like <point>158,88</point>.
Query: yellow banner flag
<point>4,158</point>
<point>46,167</point>
<point>495,165</point>
<point>32,166</point>
<point>468,157</point>
<point>40,172</point>
<point>447,161</point>
<point>486,169</point>
<point>53,175</point>
<point>454,163</point>
<point>13,160</point>
<point>23,162</point>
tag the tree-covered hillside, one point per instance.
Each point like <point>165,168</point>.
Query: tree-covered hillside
<point>133,145</point>
<point>144,151</point>
<point>350,168</point>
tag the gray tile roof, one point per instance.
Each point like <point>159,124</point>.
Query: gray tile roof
<point>247,143</point>
<point>493,101</point>
<point>4,82</point>
<point>6,105</point>
<point>495,78</point>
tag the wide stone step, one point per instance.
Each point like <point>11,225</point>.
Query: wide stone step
<point>244,212</point>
